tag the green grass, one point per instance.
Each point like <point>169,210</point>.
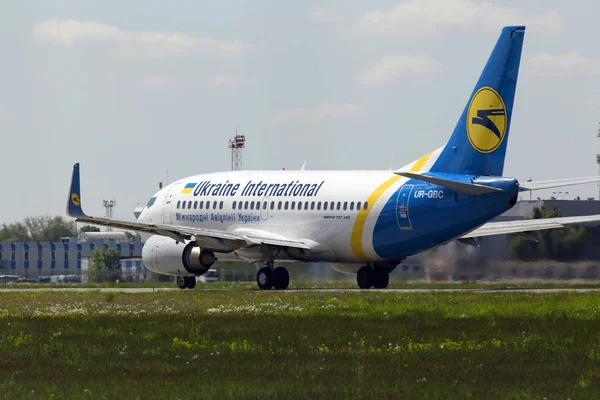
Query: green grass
<point>343,283</point>
<point>253,344</point>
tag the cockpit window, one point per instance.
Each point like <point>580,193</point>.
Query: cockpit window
<point>151,202</point>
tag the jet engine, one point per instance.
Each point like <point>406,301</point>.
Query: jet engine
<point>166,256</point>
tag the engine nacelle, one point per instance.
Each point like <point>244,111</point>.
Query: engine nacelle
<point>166,256</point>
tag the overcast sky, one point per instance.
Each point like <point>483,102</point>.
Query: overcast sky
<point>133,88</point>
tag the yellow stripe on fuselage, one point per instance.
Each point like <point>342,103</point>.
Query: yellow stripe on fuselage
<point>361,217</point>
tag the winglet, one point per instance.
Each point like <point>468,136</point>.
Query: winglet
<point>74,201</point>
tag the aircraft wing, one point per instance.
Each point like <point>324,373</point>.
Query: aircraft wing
<point>525,186</point>
<point>209,238</point>
<point>501,228</point>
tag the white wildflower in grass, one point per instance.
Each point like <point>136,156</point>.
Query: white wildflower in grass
<point>259,308</point>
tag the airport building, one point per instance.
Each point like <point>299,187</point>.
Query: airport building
<point>69,257</point>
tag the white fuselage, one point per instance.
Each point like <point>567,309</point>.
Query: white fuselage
<point>335,209</point>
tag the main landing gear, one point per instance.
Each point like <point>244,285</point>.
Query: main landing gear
<point>186,282</point>
<point>368,277</point>
<point>269,277</point>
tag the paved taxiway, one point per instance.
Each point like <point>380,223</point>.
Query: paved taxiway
<point>151,290</point>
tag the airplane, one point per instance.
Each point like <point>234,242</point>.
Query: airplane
<point>360,222</point>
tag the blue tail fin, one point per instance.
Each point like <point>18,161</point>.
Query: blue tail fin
<point>74,200</point>
<point>478,143</point>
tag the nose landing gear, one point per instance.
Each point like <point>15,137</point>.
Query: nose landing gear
<point>186,282</point>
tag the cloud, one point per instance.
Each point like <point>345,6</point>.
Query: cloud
<point>321,112</point>
<point>440,16</point>
<point>561,65</point>
<point>226,81</point>
<point>71,33</point>
<point>323,15</point>
<point>392,67</point>
<point>158,82</point>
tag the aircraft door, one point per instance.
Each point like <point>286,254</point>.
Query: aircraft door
<point>403,207</point>
<point>264,208</point>
<point>170,203</point>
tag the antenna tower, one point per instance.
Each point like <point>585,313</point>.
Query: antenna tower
<point>109,205</point>
<point>236,144</point>
<point>598,162</point>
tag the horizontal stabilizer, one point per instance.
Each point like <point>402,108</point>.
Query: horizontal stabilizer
<point>458,186</point>
<point>526,186</point>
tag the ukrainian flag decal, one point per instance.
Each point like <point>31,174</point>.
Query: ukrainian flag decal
<point>188,188</point>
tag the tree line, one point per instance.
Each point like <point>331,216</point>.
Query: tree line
<point>46,228</point>
<point>564,244</point>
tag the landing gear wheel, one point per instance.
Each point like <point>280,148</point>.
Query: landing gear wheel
<point>191,282</point>
<point>381,278</point>
<point>182,282</point>
<point>282,278</point>
<point>265,278</point>
<point>364,278</point>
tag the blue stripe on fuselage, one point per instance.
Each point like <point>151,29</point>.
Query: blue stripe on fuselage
<point>434,218</point>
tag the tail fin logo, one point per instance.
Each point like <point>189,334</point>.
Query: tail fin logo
<point>486,120</point>
<point>75,199</point>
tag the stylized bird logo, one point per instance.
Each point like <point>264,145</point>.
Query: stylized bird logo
<point>486,120</point>
<point>75,199</point>
<point>483,118</point>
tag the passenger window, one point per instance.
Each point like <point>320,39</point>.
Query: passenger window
<point>214,205</point>
<point>358,205</point>
<point>272,205</point>
<point>366,206</point>
<point>178,204</point>
<point>183,203</point>
<point>312,205</point>
<point>252,205</point>
<point>339,205</point>
<point>345,205</point>
<point>293,205</point>
<point>220,205</point>
<point>201,205</point>
<point>207,205</point>
<point>325,205</point>
<point>351,205</point>
<point>189,204</point>
<point>196,204</point>
<point>279,206</point>
<point>306,205</point>
<point>264,205</point>
<point>319,205</point>
<point>233,205</point>
<point>245,205</point>
<point>287,203</point>
<point>299,205</point>
<point>332,206</point>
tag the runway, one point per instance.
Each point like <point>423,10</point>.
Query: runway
<point>333,290</point>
